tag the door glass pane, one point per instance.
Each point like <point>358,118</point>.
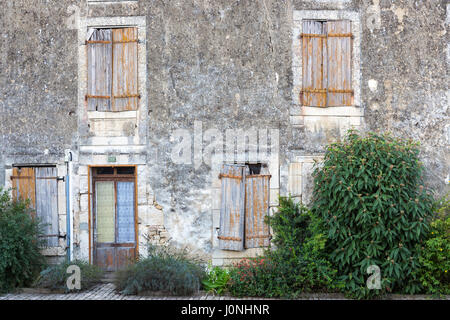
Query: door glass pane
<point>104,192</point>
<point>125,211</point>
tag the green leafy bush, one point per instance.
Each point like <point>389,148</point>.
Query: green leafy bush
<point>165,269</point>
<point>55,277</point>
<point>216,279</point>
<point>299,255</point>
<point>297,264</point>
<point>20,257</point>
<point>255,277</point>
<point>434,272</point>
<point>369,193</point>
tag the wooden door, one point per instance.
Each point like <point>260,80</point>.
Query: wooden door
<point>114,222</point>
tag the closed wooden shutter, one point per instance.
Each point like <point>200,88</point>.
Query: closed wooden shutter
<point>314,65</point>
<point>326,63</point>
<point>40,186</point>
<point>112,70</point>
<point>99,70</point>
<point>23,183</point>
<point>125,89</point>
<point>339,51</point>
<point>47,203</point>
<point>231,233</point>
<point>256,209</point>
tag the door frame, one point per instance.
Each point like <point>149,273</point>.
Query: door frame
<point>91,203</point>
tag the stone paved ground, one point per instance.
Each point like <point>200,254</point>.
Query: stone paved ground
<point>106,291</point>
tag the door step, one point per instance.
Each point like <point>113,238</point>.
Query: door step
<point>108,277</point>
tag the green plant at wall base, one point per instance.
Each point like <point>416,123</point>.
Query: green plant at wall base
<point>369,193</point>
<point>434,259</point>
<point>299,255</point>
<point>255,277</point>
<point>297,264</point>
<point>166,269</point>
<point>20,257</point>
<point>55,277</point>
<point>216,279</point>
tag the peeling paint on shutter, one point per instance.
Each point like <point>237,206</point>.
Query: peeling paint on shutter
<point>99,48</point>
<point>256,209</point>
<point>231,233</point>
<point>339,51</point>
<point>124,65</point>
<point>23,183</point>
<point>47,203</point>
<point>125,212</point>
<point>314,65</point>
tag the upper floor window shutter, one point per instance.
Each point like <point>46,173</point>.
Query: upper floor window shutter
<point>314,65</point>
<point>232,209</point>
<point>326,63</point>
<point>112,70</point>
<point>124,66</point>
<point>339,49</point>
<point>99,70</point>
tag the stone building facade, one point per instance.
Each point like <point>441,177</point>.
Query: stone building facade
<point>204,67</point>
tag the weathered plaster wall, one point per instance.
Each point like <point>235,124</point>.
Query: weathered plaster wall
<point>229,65</point>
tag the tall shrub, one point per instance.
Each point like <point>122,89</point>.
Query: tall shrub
<point>370,194</point>
<point>434,259</point>
<point>20,258</point>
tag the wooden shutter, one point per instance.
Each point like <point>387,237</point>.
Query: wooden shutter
<point>99,70</point>
<point>314,65</point>
<point>231,233</point>
<point>23,183</point>
<point>256,209</point>
<point>124,65</point>
<point>339,51</point>
<point>47,203</point>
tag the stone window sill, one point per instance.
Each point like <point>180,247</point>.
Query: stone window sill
<point>344,111</point>
<point>112,115</point>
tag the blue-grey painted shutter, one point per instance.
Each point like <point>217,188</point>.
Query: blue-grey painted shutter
<point>47,203</point>
<point>125,212</point>
<point>231,232</point>
<point>256,209</point>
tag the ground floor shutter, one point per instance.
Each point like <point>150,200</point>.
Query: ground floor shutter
<point>256,210</point>
<point>40,186</point>
<point>23,183</point>
<point>47,203</point>
<point>231,233</point>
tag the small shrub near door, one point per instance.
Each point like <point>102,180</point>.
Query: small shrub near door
<point>369,193</point>
<point>166,270</point>
<point>20,257</point>
<point>216,280</point>
<point>434,259</point>
<point>55,277</point>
